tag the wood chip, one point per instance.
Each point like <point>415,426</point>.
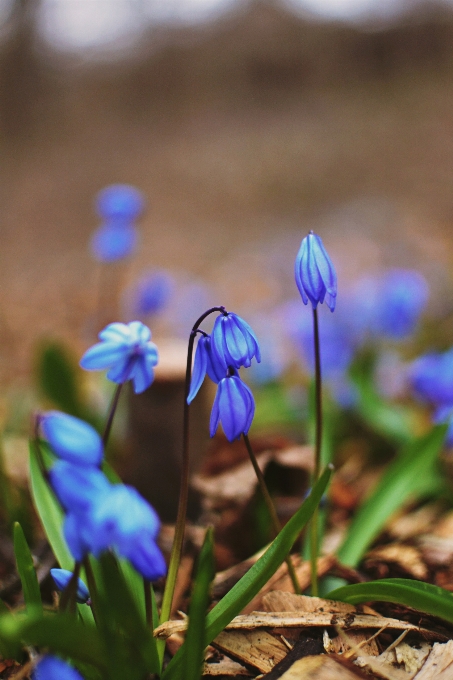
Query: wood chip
<point>406,557</point>
<point>320,667</point>
<point>279,601</point>
<point>256,648</point>
<point>415,523</point>
<point>225,666</point>
<point>439,665</point>
<point>303,620</point>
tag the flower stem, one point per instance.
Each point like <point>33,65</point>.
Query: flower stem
<point>276,526</point>
<point>92,588</point>
<point>148,603</point>
<point>317,466</point>
<point>176,550</point>
<point>112,411</point>
<point>68,597</point>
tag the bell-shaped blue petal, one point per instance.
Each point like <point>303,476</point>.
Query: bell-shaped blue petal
<point>127,351</point>
<point>234,406</point>
<point>146,557</point>
<point>120,202</point>
<point>52,668</point>
<point>62,577</point>
<point>72,439</point>
<point>233,341</point>
<point>77,487</point>
<point>112,242</point>
<point>199,367</point>
<point>315,274</point>
<point>78,534</point>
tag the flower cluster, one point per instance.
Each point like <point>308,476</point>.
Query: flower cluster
<point>231,345</point>
<point>127,350</point>
<point>118,205</point>
<point>100,516</point>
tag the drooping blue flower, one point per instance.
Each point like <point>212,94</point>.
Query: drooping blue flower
<point>52,668</point>
<point>152,292</point>
<point>315,274</point>
<point>111,242</point>
<point>72,439</point>
<point>62,577</point>
<point>127,350</point>
<point>431,378</point>
<point>206,361</point>
<point>234,342</point>
<point>120,202</point>
<point>77,487</point>
<point>234,407</point>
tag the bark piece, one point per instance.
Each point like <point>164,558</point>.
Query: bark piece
<point>439,665</point>
<point>406,557</point>
<point>280,601</point>
<point>225,666</point>
<point>256,648</point>
<point>303,647</point>
<point>322,667</point>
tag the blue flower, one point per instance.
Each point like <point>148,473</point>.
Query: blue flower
<point>206,361</point>
<point>234,406</point>
<point>72,439</point>
<point>431,378</point>
<point>77,487</point>
<point>315,274</point>
<point>53,668</point>
<point>126,349</point>
<point>113,242</point>
<point>152,293</point>
<point>444,414</point>
<point>234,342</point>
<point>120,202</point>
<point>62,577</point>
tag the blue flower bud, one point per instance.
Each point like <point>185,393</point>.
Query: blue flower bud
<point>62,577</point>
<point>315,274</point>
<point>77,487</point>
<point>53,668</point>
<point>234,342</point>
<point>206,361</point>
<point>120,202</point>
<point>72,439</point>
<point>234,406</point>
<point>127,350</point>
<point>113,242</point>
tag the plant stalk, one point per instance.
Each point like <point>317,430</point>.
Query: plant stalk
<point>317,465</point>
<point>112,411</point>
<point>68,599</point>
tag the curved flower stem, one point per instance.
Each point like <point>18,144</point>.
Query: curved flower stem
<point>184,488</point>
<point>68,597</point>
<point>276,526</point>
<point>112,411</point>
<point>318,443</point>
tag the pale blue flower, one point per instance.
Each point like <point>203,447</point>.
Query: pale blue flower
<point>315,274</point>
<point>152,293</point>
<point>77,487</point>
<point>127,351</point>
<point>72,439</point>
<point>120,202</point>
<point>112,242</point>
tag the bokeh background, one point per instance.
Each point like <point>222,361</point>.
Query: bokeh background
<point>245,124</point>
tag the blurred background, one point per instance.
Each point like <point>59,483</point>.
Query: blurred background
<point>244,124</point>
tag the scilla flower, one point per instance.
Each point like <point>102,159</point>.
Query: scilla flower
<point>120,203</point>
<point>76,486</point>
<point>127,350</point>
<point>53,668</point>
<point>315,274</point>
<point>113,242</point>
<point>234,342</point>
<point>61,579</point>
<point>72,439</point>
<point>206,361</point>
<point>234,406</point>
<point>431,378</point>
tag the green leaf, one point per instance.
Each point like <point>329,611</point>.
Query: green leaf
<point>252,582</point>
<point>59,633</point>
<point>418,595</point>
<point>57,379</point>
<point>194,645</point>
<point>406,476</point>
<point>26,569</point>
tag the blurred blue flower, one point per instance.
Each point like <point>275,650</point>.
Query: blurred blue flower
<point>62,577</point>
<point>315,274</point>
<point>53,668</point>
<point>111,242</point>
<point>234,342</point>
<point>120,202</point>
<point>71,438</point>
<point>234,406</point>
<point>77,487</point>
<point>126,349</point>
<point>444,414</point>
<point>206,361</point>
<point>431,378</point>
<point>152,292</point>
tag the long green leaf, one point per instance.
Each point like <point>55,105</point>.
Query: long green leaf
<point>194,645</point>
<point>405,477</point>
<point>418,595</point>
<point>250,584</point>
<point>57,380</point>
<point>26,569</point>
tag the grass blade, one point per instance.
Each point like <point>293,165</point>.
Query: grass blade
<point>405,476</point>
<point>418,595</point>
<point>250,584</point>
<point>26,569</point>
